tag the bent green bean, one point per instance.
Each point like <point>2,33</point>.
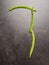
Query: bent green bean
<point>31,25</point>
<point>32,33</point>
<point>24,7</point>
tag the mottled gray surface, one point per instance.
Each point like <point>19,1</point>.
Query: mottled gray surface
<point>15,39</point>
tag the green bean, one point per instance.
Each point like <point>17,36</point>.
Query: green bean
<point>32,33</point>
<point>31,25</point>
<point>24,7</point>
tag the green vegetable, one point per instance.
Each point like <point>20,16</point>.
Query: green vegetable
<point>31,25</point>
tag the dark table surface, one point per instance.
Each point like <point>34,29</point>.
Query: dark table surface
<point>15,39</point>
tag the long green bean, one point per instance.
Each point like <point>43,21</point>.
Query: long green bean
<point>31,25</point>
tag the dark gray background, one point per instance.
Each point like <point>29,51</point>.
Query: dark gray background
<point>15,39</point>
